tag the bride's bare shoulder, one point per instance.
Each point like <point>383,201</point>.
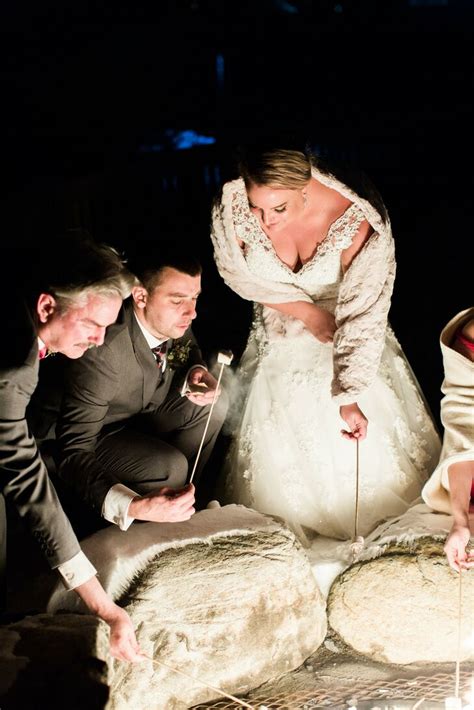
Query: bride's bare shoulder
<point>327,199</point>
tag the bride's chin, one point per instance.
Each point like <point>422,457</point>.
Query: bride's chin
<point>275,227</point>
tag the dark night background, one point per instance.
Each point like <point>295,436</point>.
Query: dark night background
<point>91,90</point>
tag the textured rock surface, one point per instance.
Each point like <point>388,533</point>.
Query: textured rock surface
<point>54,662</point>
<point>403,606</point>
<point>228,597</point>
<point>234,613</point>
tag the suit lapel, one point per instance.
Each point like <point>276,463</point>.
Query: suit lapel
<point>150,373</point>
<point>153,379</point>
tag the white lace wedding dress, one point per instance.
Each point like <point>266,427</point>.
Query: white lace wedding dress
<point>288,457</point>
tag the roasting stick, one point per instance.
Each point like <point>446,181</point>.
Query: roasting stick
<point>454,702</point>
<point>201,682</point>
<point>224,358</point>
<point>357,540</point>
<point>458,654</point>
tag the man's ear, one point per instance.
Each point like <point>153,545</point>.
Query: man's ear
<point>45,307</point>
<point>140,296</point>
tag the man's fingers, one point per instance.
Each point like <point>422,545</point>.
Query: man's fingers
<point>128,654</point>
<point>202,399</point>
<point>123,642</point>
<point>167,505</point>
<point>178,516</point>
<point>183,496</point>
<point>166,491</point>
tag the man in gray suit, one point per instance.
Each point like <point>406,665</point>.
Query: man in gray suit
<point>73,293</point>
<point>135,410</point>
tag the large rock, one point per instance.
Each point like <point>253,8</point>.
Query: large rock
<point>402,605</point>
<point>228,598</point>
<point>55,661</point>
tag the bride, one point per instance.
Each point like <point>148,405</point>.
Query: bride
<point>318,261</point>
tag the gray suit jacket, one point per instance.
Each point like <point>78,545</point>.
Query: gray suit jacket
<point>103,389</point>
<point>23,475</point>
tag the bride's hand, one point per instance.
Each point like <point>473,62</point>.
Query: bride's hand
<point>355,420</point>
<point>319,322</point>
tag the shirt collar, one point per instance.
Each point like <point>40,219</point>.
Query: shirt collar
<point>150,339</point>
<point>41,344</point>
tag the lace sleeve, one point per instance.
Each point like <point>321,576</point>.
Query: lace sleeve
<point>361,317</point>
<point>230,224</point>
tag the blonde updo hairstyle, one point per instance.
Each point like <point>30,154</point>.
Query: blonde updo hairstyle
<point>288,169</point>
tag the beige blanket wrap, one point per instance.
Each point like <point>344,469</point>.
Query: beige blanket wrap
<point>457,415</point>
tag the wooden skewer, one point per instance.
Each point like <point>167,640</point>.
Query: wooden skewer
<point>224,359</point>
<point>357,540</point>
<point>356,515</point>
<point>458,654</point>
<point>201,682</point>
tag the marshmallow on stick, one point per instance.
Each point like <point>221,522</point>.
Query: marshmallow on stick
<point>223,358</point>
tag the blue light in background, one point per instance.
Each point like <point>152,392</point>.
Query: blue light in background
<point>187,139</point>
<point>177,140</point>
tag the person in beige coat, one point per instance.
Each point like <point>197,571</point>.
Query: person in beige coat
<point>451,487</point>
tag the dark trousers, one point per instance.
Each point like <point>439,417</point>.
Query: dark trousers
<point>159,449</point>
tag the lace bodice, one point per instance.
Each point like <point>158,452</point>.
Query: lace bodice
<point>321,275</point>
<point>360,298</point>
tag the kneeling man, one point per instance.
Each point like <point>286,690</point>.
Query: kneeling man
<point>130,426</point>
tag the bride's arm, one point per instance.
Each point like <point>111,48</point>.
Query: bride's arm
<point>361,316</point>
<point>318,320</point>
<point>351,413</point>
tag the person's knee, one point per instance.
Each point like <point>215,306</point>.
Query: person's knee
<point>166,466</point>
<point>176,467</point>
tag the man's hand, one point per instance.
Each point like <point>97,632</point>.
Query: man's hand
<point>123,643</point>
<point>455,548</point>
<point>165,505</point>
<point>355,420</point>
<point>202,385</point>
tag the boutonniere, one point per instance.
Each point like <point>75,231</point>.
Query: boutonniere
<point>178,354</point>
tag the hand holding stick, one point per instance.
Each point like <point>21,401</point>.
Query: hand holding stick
<point>223,358</point>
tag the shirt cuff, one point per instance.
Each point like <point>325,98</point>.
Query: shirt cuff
<point>116,505</point>
<point>76,571</point>
<point>184,388</point>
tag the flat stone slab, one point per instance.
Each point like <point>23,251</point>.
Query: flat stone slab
<point>228,598</point>
<point>400,602</point>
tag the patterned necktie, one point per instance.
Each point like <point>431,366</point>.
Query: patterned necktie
<point>160,354</point>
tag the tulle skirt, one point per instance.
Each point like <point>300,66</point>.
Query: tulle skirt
<point>287,456</point>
